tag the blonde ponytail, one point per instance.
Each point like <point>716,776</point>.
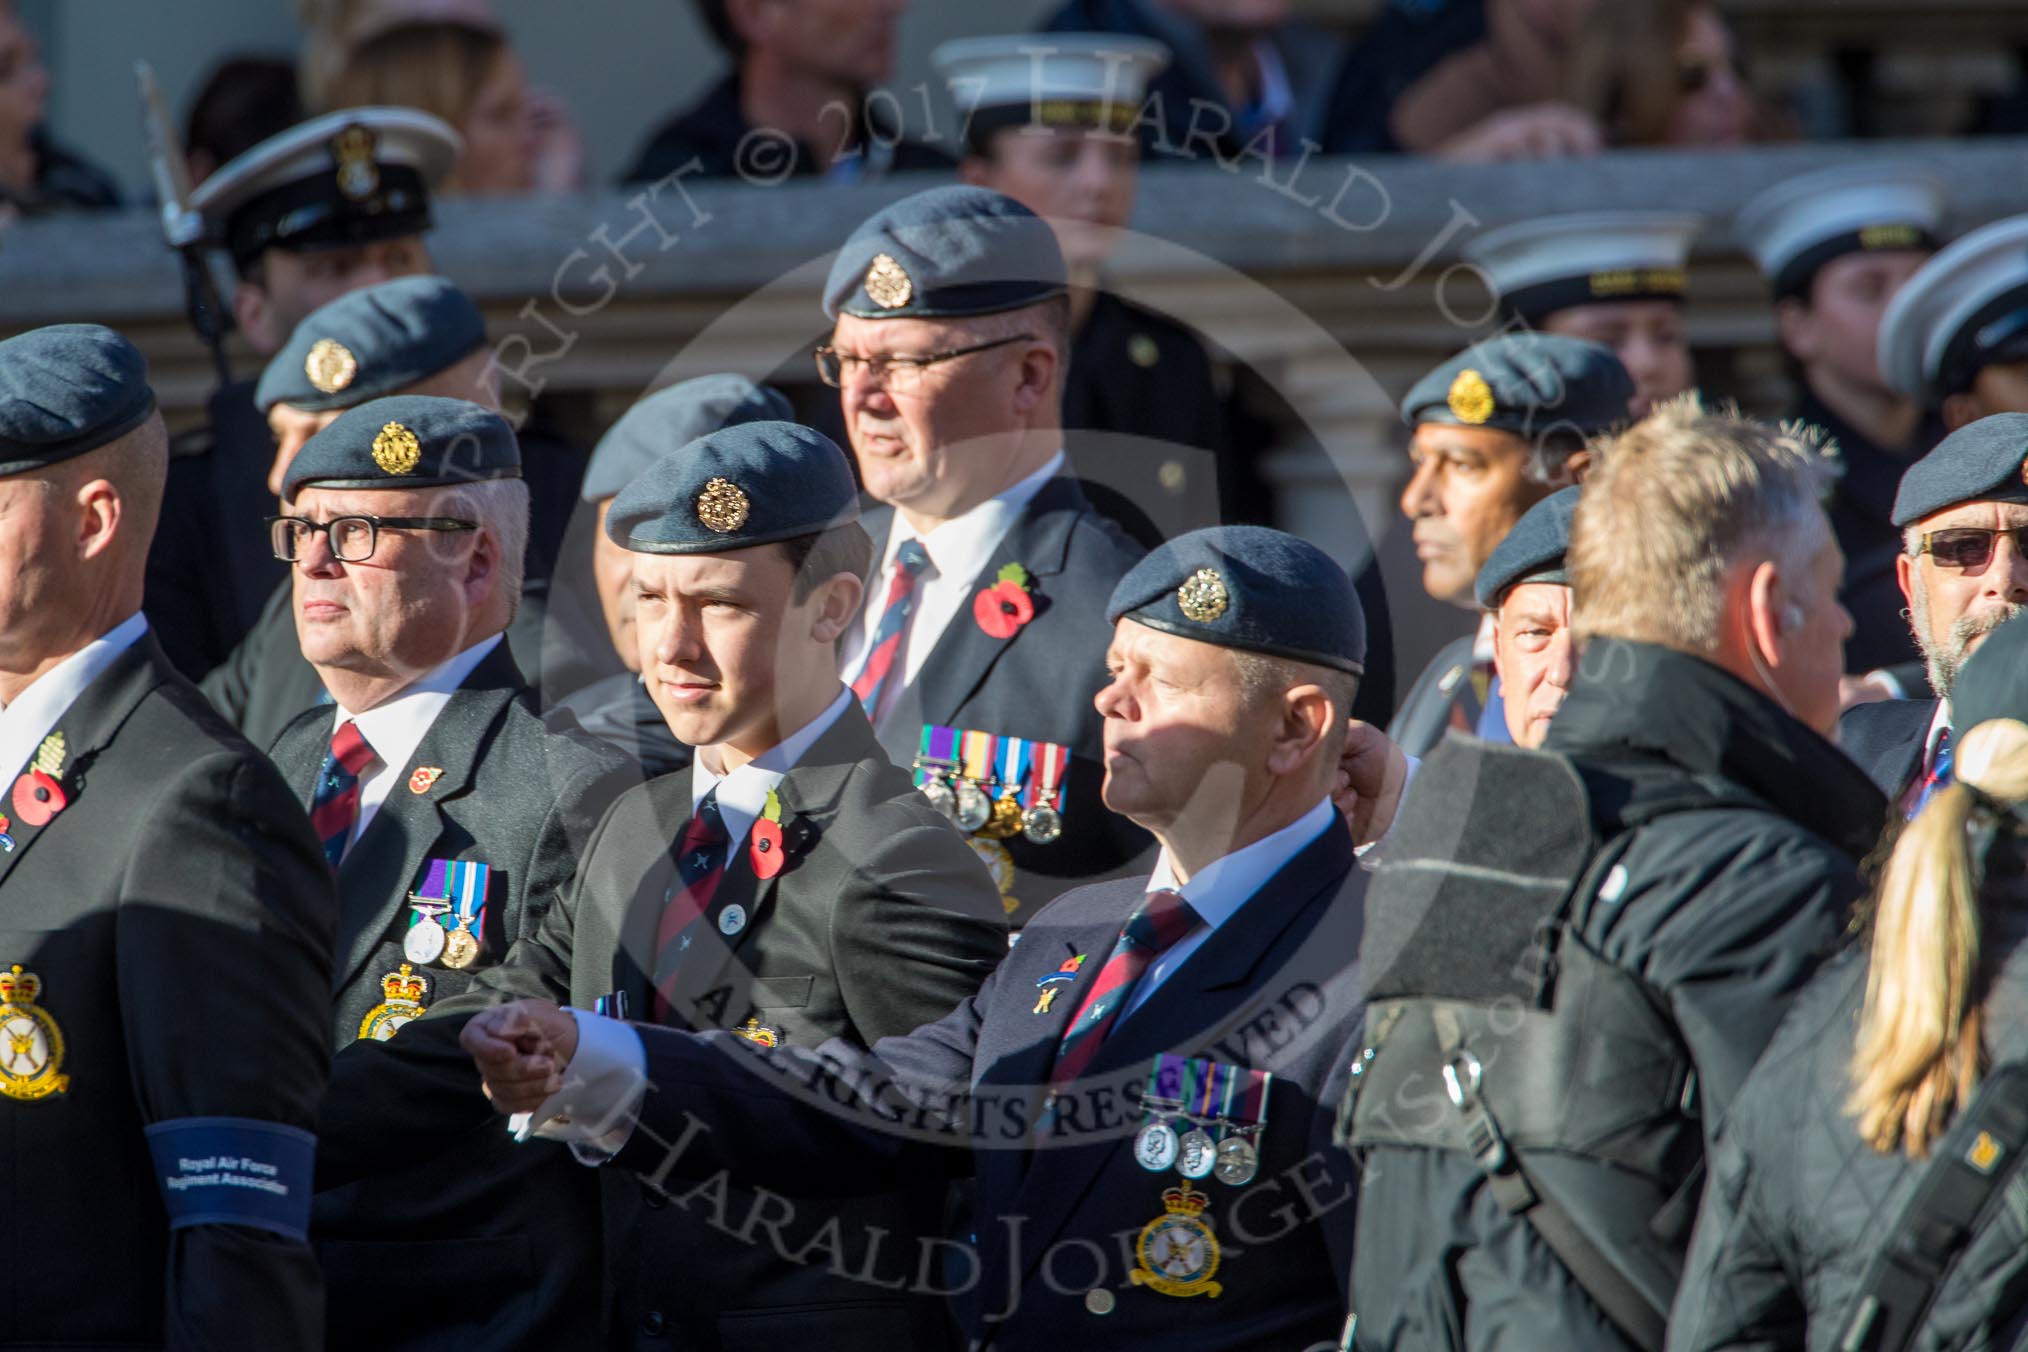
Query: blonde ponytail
<point>1919,1052</point>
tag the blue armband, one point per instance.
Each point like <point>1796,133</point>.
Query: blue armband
<point>235,1171</point>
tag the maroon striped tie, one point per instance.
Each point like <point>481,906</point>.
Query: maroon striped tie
<point>1157,923</point>
<point>909,562</point>
<point>334,806</point>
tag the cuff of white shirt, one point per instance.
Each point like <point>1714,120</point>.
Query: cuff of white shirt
<point>595,1110</point>
<point>1407,778</point>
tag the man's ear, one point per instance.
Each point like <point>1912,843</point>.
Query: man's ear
<point>1307,717</point>
<point>483,563</point>
<point>1765,628</point>
<point>1795,330</point>
<point>1904,575</point>
<point>99,514</point>
<point>1576,466</point>
<point>1038,377</point>
<point>254,312</point>
<point>837,602</point>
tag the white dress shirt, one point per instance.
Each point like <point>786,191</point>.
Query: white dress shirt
<point>1220,888</point>
<point>37,710</point>
<point>609,1072</point>
<point>396,728</point>
<point>957,550</point>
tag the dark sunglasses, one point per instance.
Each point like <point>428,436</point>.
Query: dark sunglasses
<point>1968,547</point>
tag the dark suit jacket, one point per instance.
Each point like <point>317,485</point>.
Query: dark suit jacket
<point>1885,739</point>
<point>1276,987</point>
<point>211,568</point>
<point>1425,713</point>
<point>463,1242</point>
<point>1037,684</point>
<point>179,913</point>
<point>881,920</point>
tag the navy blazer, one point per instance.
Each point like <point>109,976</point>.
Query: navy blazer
<point>1885,739</point>
<point>1061,1206</point>
<point>1038,683</point>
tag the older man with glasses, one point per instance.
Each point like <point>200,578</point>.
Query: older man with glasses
<point>978,652</point>
<point>1963,514</point>
<point>452,815</point>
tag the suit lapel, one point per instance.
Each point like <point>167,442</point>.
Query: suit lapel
<point>88,726</point>
<point>1039,541</point>
<point>1188,1007</point>
<point>377,873</point>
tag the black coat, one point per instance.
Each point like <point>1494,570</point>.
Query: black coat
<point>1039,683</point>
<point>881,920</point>
<point>461,1243</point>
<point>1276,987</point>
<point>179,914</point>
<point>1798,1206</point>
<point>1886,740</point>
<point>715,133</point>
<point>211,567</point>
<point>1724,916</point>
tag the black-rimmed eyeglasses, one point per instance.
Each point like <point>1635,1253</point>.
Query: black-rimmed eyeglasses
<point>897,375</point>
<point>352,538</point>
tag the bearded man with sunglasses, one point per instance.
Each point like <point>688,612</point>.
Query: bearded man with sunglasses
<point>1963,513</point>
<point>452,815</point>
<point>979,648</point>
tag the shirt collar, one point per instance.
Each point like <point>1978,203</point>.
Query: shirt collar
<point>395,728</point>
<point>743,793</point>
<point>1482,640</point>
<point>36,710</point>
<point>1220,888</point>
<point>1939,724</point>
<point>960,547</point>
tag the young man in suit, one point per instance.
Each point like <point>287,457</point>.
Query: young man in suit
<point>165,917</point>
<point>1962,510</point>
<point>1193,1021</point>
<point>452,815</point>
<point>791,886</point>
<point>985,617</point>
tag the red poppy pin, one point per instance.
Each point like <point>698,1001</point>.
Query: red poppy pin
<point>764,847</point>
<point>424,778</point>
<point>1004,607</point>
<point>37,794</point>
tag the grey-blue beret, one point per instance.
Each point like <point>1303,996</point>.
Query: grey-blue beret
<point>408,441</point>
<point>1528,384</point>
<point>1980,462</point>
<point>1248,587</point>
<point>751,484</point>
<point>944,254</point>
<point>674,417</point>
<point>1532,552</point>
<point>67,389</point>
<point>372,343</point>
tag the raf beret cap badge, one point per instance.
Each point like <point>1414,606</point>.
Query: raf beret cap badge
<point>722,507</point>
<point>330,365</point>
<point>1203,596</point>
<point>1470,397</point>
<point>396,449</point>
<point>887,283</point>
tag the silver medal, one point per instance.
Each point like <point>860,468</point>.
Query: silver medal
<point>1155,1147</point>
<point>424,943</point>
<point>1196,1154</point>
<point>940,796</point>
<point>1238,1161</point>
<point>974,808</point>
<point>1041,824</point>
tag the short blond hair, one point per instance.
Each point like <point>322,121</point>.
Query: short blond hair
<point>1673,503</point>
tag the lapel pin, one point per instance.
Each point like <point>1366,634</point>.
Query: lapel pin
<point>38,796</point>
<point>732,920</point>
<point>425,778</point>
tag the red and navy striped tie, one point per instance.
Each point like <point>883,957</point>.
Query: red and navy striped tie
<point>909,561</point>
<point>1157,923</point>
<point>700,867</point>
<point>334,809</point>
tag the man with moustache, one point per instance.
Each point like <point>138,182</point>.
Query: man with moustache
<point>1963,569</point>
<point>1192,1021</point>
<point>791,886</point>
<point>1497,428</point>
<point>452,815</point>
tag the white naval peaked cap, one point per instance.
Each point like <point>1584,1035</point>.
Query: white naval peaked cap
<point>1794,228</point>
<point>1048,79</point>
<point>1964,309</point>
<point>1554,262</point>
